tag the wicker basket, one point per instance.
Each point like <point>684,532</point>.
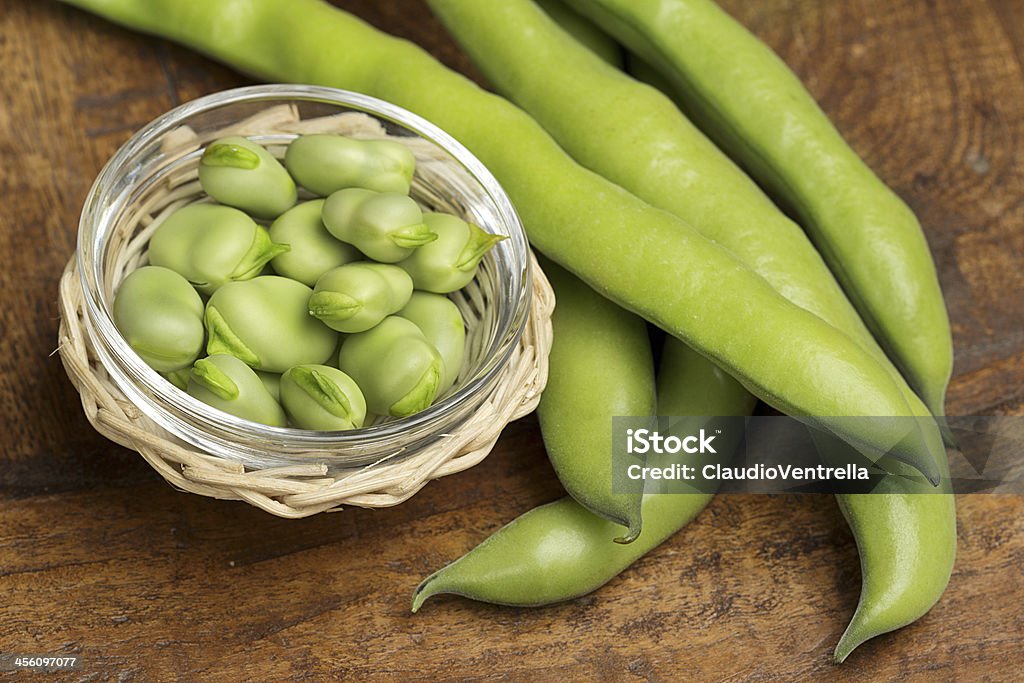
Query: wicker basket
<point>296,490</point>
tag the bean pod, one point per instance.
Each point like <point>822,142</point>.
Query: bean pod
<point>600,367</point>
<point>756,108</point>
<point>561,551</point>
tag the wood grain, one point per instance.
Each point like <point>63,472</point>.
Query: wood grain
<point>99,557</point>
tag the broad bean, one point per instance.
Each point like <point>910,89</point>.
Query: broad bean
<point>357,296</point>
<point>450,262</point>
<point>395,366</point>
<point>241,173</point>
<point>265,323</point>
<point>210,244</point>
<point>228,384</point>
<point>324,164</point>
<point>312,250</point>
<point>386,226</point>
<point>160,315</point>
<point>441,323</point>
<point>323,398</point>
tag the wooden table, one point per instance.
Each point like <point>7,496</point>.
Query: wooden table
<point>98,556</point>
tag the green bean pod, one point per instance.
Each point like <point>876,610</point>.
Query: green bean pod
<point>757,109</point>
<point>324,164</point>
<point>672,276</point>
<point>560,551</point>
<point>265,323</point>
<point>386,226</point>
<point>357,296</point>
<point>441,323</point>
<point>584,30</point>
<point>395,366</point>
<point>228,384</point>
<point>906,539</point>
<point>600,367</point>
<point>241,173</point>
<point>160,315</point>
<point>209,245</point>
<point>312,251</point>
<point>450,262</point>
<point>323,398</point>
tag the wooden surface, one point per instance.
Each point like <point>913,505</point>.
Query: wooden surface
<point>98,556</point>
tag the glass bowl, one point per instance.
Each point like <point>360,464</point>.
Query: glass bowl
<point>155,170</point>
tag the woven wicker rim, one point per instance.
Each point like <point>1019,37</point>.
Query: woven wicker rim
<point>301,490</point>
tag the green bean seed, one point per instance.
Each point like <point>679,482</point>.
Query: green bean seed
<point>386,226</point>
<point>265,323</point>
<point>327,163</point>
<point>178,378</point>
<point>322,397</point>
<point>160,315</point>
<point>271,382</point>
<point>209,245</point>
<point>313,251</point>
<point>228,384</point>
<point>450,262</point>
<point>395,366</point>
<point>357,296</point>
<point>441,323</point>
<point>241,173</point>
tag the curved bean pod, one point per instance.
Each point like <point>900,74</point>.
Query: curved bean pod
<point>560,551</point>
<point>601,366</point>
<point>906,539</point>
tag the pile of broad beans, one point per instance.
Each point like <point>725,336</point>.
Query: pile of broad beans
<point>335,313</point>
<point>652,216</point>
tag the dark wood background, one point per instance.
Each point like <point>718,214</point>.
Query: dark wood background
<point>99,556</point>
